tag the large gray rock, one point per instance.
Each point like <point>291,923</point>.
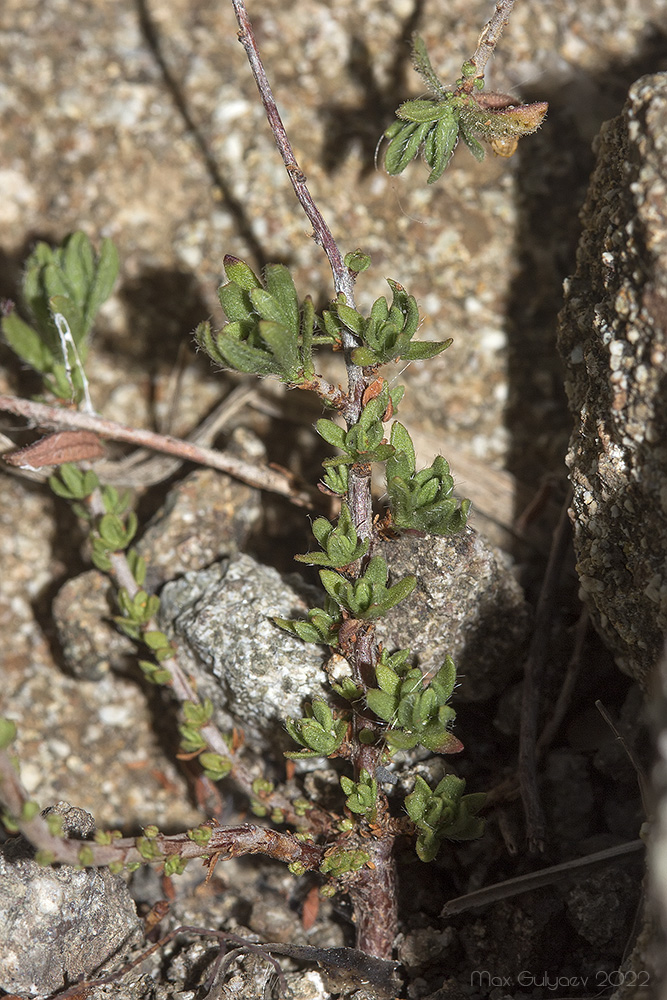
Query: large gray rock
<point>254,673</point>
<point>466,604</point>
<point>58,924</point>
<point>613,339</point>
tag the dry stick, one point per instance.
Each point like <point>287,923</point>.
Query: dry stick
<point>141,468</point>
<point>533,667</point>
<point>567,687</point>
<point>255,475</point>
<point>645,790</point>
<point>508,789</point>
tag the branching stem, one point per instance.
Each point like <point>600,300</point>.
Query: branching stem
<point>228,841</point>
<point>379,894</point>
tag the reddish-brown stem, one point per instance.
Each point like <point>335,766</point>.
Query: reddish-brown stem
<point>343,279</point>
<point>374,899</point>
<point>373,892</point>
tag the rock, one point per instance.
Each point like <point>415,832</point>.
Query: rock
<point>91,645</point>
<point>613,339</point>
<point>599,906</point>
<point>205,517</point>
<point>254,673</point>
<point>58,924</point>
<point>467,604</point>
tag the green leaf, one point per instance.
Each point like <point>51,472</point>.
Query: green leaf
<point>387,678</point>
<point>353,320</point>
<point>332,433</point>
<point>471,142</point>
<point>444,681</point>
<point>26,342</point>
<point>240,273</point>
<point>424,110</point>
<point>284,347</point>
<point>404,146</point>
<point>215,767</point>
<point>422,64</point>
<point>106,271</point>
<point>357,261</point>
<point>383,704</point>
<point>445,136</point>
<point>191,739</point>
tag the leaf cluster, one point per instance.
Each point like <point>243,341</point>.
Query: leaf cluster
<point>114,531</point>
<point>421,500</point>
<point>72,281</point>
<point>340,544</point>
<point>435,125</point>
<point>319,732</point>
<point>386,334</point>
<point>443,813</point>
<point>339,862</point>
<point>417,713</point>
<point>197,714</point>
<point>361,796</point>
<point>364,442</point>
<point>368,597</point>
<point>269,332</point>
<point>321,627</point>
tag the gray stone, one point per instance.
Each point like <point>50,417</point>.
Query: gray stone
<point>205,517</point>
<point>467,604</point>
<point>254,673</point>
<point>58,924</point>
<point>613,339</point>
<point>599,906</point>
<point>91,645</point>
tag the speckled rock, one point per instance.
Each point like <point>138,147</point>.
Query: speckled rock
<point>254,673</point>
<point>206,516</point>
<point>59,924</point>
<point>613,339</point>
<point>467,604</point>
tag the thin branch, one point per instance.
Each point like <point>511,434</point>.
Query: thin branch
<point>343,280</point>
<point>490,36</point>
<point>259,476</point>
<point>123,577</point>
<point>572,672</point>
